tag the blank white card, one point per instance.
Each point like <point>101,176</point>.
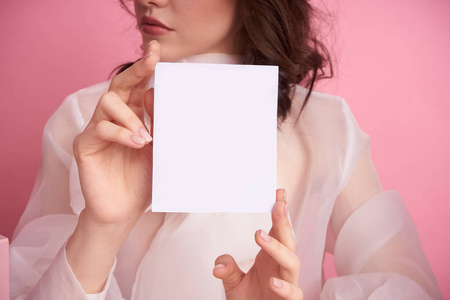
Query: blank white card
<point>214,138</point>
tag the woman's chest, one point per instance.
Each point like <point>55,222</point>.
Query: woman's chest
<point>183,251</point>
<point>293,163</point>
<point>190,243</point>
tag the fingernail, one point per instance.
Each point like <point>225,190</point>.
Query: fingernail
<point>137,140</point>
<point>147,55</point>
<point>284,195</point>
<point>145,135</point>
<point>265,236</point>
<point>277,283</point>
<point>219,266</point>
<point>285,209</point>
<point>148,45</point>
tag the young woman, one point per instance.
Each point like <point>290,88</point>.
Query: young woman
<point>87,232</point>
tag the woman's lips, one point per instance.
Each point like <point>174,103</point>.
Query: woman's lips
<point>153,26</point>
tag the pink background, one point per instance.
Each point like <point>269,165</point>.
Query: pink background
<point>393,71</point>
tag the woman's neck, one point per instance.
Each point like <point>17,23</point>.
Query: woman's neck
<point>212,58</point>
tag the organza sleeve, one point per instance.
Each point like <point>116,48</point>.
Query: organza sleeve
<point>378,255</point>
<point>38,268</point>
<point>377,251</point>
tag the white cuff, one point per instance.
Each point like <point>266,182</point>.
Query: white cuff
<point>102,294</point>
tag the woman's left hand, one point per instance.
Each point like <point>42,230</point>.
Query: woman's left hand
<point>276,270</point>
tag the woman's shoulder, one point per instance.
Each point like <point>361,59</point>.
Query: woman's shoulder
<point>93,90</point>
<point>330,131</point>
<point>319,104</point>
<point>72,115</point>
<point>81,104</point>
<point>323,114</point>
<point>86,99</point>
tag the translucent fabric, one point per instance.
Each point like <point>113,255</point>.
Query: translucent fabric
<point>376,249</point>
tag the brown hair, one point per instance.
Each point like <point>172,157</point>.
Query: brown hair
<point>281,33</point>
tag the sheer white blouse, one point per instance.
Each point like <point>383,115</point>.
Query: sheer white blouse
<point>377,252</point>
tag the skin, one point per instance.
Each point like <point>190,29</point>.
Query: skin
<point>114,158</point>
<point>113,170</point>
<point>199,26</point>
<point>276,270</point>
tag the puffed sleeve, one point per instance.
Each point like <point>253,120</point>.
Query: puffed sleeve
<point>378,255</point>
<point>377,251</point>
<point>38,265</point>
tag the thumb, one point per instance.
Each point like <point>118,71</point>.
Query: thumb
<point>148,104</point>
<point>227,270</point>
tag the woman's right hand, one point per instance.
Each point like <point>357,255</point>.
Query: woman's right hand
<point>113,153</point>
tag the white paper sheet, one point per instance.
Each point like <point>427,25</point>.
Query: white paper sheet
<point>214,138</point>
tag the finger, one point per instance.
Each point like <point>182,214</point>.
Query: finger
<point>149,105</point>
<point>287,259</point>
<point>227,270</point>
<point>112,108</point>
<point>281,228</point>
<point>104,132</point>
<point>285,290</point>
<point>137,76</point>
<point>108,131</point>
